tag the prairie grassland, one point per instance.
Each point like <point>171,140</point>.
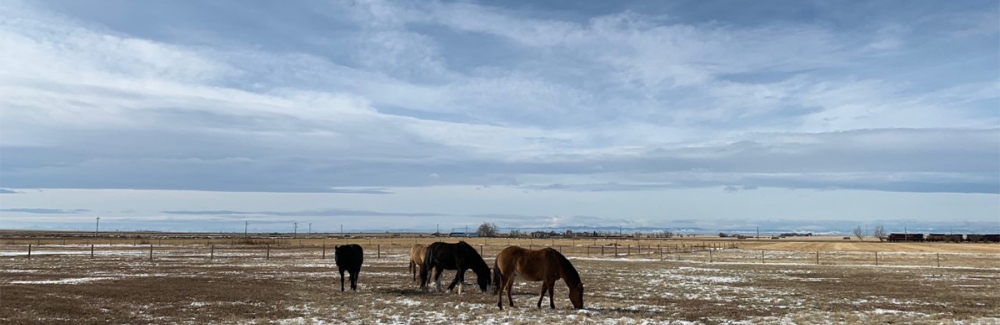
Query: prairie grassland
<point>294,284</point>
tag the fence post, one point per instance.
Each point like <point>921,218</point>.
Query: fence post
<point>91,251</point>
<point>762,257</point>
<point>212,257</point>
<point>602,250</point>
<point>817,257</point>
<point>876,258</point>
<point>481,251</point>
<point>661,251</point>
<point>938,257</point>
<point>150,252</point>
<point>29,251</point>
<point>588,250</point>
<point>324,251</point>
<point>710,259</point>
<point>378,251</point>
<point>628,249</point>
<point>616,250</point>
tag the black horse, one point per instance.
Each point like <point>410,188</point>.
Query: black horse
<point>460,257</point>
<point>349,258</point>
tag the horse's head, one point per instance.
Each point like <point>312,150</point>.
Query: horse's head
<point>576,295</point>
<point>483,280</point>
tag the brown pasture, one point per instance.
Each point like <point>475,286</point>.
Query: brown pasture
<point>700,280</point>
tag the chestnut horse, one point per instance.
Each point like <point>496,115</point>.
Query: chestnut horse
<point>416,259</point>
<point>546,265</point>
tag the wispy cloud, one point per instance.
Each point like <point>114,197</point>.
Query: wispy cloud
<point>304,213</point>
<point>358,97</point>
<point>45,211</point>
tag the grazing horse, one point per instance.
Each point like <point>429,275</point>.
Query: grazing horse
<point>349,258</point>
<point>546,265</point>
<point>460,257</point>
<point>416,259</point>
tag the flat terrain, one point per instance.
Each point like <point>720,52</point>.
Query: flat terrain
<point>696,281</point>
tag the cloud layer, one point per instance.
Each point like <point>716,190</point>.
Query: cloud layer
<point>355,97</point>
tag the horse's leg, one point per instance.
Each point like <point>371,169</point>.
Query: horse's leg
<point>413,270</point>
<point>354,280</point>
<point>500,295</point>
<point>437,278</point>
<point>545,287</point>
<point>341,279</point>
<point>552,288</point>
<point>510,286</point>
<point>458,279</point>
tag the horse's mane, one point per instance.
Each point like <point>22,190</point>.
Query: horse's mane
<point>480,264</point>
<point>570,274</point>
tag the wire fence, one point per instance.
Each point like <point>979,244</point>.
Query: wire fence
<point>708,252</point>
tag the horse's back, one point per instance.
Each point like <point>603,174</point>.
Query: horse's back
<point>349,256</point>
<point>532,265</point>
<point>417,253</point>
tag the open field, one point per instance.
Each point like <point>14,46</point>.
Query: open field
<point>290,281</point>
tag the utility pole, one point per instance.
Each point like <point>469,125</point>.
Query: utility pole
<point>97,228</point>
<point>295,229</point>
<point>310,228</point>
<point>245,226</point>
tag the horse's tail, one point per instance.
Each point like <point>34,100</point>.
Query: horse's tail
<point>426,266</point>
<point>497,278</point>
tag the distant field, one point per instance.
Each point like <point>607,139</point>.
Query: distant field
<point>678,281</point>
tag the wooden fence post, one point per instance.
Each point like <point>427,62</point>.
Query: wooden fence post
<point>150,252</point>
<point>762,257</point>
<point>876,258</point>
<point>324,251</point>
<point>616,250</point>
<point>378,251</point>
<point>661,251</point>
<point>938,259</point>
<point>588,250</point>
<point>602,250</point>
<point>91,251</point>
<point>817,257</point>
<point>212,257</point>
<point>710,259</point>
<point>29,251</point>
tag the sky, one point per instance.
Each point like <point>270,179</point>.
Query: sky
<point>386,115</point>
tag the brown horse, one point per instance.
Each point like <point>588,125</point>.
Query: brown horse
<point>546,265</point>
<point>416,259</point>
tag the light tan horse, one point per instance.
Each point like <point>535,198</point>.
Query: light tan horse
<point>416,259</point>
<point>546,265</point>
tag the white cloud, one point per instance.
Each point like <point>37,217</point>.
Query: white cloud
<point>458,93</point>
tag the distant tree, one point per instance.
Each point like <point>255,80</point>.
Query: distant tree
<point>487,229</point>
<point>515,233</point>
<point>859,233</point>
<point>723,235</point>
<point>880,233</point>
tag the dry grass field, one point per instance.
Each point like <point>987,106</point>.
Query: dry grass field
<point>678,281</point>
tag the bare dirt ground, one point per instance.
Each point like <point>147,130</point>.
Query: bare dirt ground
<point>292,283</point>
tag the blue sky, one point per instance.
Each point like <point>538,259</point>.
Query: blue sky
<point>192,115</point>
